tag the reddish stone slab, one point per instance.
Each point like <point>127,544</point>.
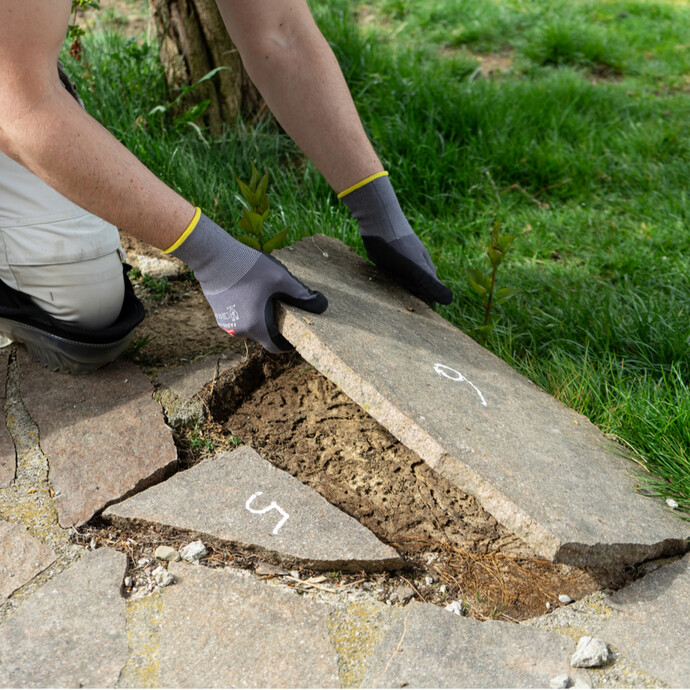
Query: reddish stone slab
<point>7,455</point>
<point>103,434</point>
<point>21,557</point>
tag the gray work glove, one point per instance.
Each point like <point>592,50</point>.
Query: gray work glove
<point>241,283</point>
<point>390,241</point>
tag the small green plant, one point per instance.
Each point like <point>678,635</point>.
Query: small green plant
<point>158,287</point>
<point>235,441</point>
<point>198,442</point>
<point>75,32</point>
<point>253,218</point>
<point>484,284</point>
<point>137,344</point>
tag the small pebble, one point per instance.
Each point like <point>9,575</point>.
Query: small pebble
<point>404,593</point>
<point>590,653</point>
<point>562,681</point>
<point>295,574</point>
<point>671,503</point>
<point>367,586</point>
<point>456,608</point>
<point>166,553</point>
<point>143,562</point>
<point>128,581</point>
<point>443,589</point>
<point>269,569</point>
<point>548,605</point>
<point>565,599</point>
<point>194,551</point>
<point>162,577</point>
<point>428,580</point>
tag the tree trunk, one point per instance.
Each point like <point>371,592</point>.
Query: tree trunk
<point>193,42</point>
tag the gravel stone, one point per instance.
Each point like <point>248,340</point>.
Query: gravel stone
<point>562,681</point>
<point>162,577</point>
<point>166,553</point>
<point>591,652</point>
<point>194,551</point>
<point>565,599</point>
<point>456,608</point>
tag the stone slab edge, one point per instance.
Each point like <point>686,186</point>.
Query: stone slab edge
<point>371,566</point>
<point>414,437</point>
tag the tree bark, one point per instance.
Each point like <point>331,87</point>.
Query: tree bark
<point>193,42</point>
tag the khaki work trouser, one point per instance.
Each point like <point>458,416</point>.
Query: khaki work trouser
<point>66,259</point>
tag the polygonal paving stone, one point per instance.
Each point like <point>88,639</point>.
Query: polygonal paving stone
<point>7,455</point>
<point>71,633</point>
<point>21,557</point>
<point>431,648</point>
<point>243,500</point>
<point>650,624</point>
<point>182,386</point>
<point>539,468</point>
<point>224,630</point>
<point>103,434</point>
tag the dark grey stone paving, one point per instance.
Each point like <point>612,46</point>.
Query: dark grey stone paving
<point>651,623</point>
<point>21,557</point>
<point>542,470</point>
<point>71,633</point>
<point>244,500</point>
<point>7,455</point>
<point>223,630</point>
<point>431,648</point>
<point>103,434</point>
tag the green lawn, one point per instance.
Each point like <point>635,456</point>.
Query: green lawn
<point>578,145</point>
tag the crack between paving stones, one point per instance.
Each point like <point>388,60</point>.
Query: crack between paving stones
<point>397,650</point>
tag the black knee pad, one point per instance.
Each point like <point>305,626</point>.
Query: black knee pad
<point>62,346</point>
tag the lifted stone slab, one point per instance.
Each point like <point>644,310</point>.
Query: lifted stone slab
<point>103,434</point>
<point>243,500</point>
<point>71,633</point>
<point>8,459</point>
<point>539,468</point>
<point>431,648</point>
<point>222,630</point>
<point>22,557</point>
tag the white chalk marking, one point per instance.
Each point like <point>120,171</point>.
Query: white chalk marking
<point>272,506</point>
<point>443,370</point>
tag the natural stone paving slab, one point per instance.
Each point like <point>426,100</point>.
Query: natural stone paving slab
<point>104,435</point>
<point>651,623</point>
<point>187,380</point>
<point>71,633</point>
<point>21,557</point>
<point>244,500</point>
<point>429,647</point>
<point>542,470</point>
<point>182,385</point>
<point>223,630</point>
<point>7,455</point>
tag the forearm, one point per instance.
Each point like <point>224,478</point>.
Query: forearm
<point>293,66</point>
<point>43,128</point>
<point>69,150</point>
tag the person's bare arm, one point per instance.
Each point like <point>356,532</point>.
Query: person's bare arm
<point>295,70</point>
<point>43,128</point>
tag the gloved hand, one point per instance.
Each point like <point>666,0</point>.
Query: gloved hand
<point>241,283</point>
<point>390,241</point>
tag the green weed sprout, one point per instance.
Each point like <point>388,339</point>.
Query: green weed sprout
<point>484,284</point>
<point>253,218</point>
